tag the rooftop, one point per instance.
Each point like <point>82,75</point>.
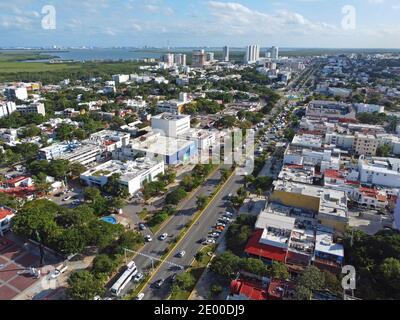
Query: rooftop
<point>324,243</point>
<point>154,143</point>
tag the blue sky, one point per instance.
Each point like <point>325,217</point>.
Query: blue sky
<point>285,23</point>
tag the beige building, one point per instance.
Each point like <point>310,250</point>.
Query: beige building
<point>365,144</point>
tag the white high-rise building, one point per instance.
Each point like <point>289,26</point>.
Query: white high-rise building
<point>225,54</point>
<point>180,59</point>
<point>252,54</point>
<point>168,59</point>
<point>275,53</point>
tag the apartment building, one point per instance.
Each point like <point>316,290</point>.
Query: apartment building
<point>365,144</point>
<point>33,108</point>
<point>171,125</point>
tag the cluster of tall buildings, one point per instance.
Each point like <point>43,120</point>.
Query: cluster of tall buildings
<point>253,53</point>
<point>171,59</point>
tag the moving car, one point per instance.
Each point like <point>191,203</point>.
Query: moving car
<point>159,283</point>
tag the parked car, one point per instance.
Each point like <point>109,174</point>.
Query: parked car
<point>148,238</point>
<point>140,296</point>
<point>181,254</point>
<point>67,198</point>
<point>173,277</point>
<point>138,277</point>
<point>163,236</point>
<point>210,241</point>
<point>142,226</point>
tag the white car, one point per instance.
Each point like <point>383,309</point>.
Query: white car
<point>140,296</point>
<point>67,198</point>
<point>181,254</point>
<point>210,241</point>
<point>138,277</point>
<point>163,236</point>
<point>148,238</point>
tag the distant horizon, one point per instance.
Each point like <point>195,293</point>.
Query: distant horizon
<point>321,24</point>
<point>89,47</point>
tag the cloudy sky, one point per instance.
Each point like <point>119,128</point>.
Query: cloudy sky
<point>285,23</point>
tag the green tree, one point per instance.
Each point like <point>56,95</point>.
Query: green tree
<point>312,279</point>
<point>184,281</point>
<point>225,264</point>
<point>175,196</point>
<point>83,285</point>
<point>201,202</point>
<point>103,264</point>
<point>279,270</point>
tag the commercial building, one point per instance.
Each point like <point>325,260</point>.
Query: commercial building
<point>331,205</point>
<point>171,150</point>
<point>328,255</point>
<point>132,173</point>
<point>325,159</point>
<point>83,153</point>
<point>330,110</point>
<point>171,125</point>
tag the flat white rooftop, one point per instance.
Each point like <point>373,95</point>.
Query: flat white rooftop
<point>155,143</point>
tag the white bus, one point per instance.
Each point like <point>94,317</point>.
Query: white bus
<point>124,279</point>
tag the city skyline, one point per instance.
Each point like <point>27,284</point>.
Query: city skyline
<point>175,23</point>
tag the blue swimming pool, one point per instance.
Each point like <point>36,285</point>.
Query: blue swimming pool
<point>109,219</point>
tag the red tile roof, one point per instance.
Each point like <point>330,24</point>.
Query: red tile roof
<point>4,213</point>
<point>333,174</point>
<point>254,247</point>
<point>252,290</point>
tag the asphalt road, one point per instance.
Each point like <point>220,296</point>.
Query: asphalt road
<point>190,243</point>
<point>173,228</point>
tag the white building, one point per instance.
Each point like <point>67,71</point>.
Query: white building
<point>380,172</point>
<point>83,153</point>
<point>35,108</point>
<point>7,108</point>
<point>171,125</point>
<point>172,151</point>
<point>252,54</point>
<point>14,93</point>
<point>225,54</point>
<point>369,108</point>
<point>174,106</point>
<point>275,53</point>
<point>120,78</point>
<point>132,173</point>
